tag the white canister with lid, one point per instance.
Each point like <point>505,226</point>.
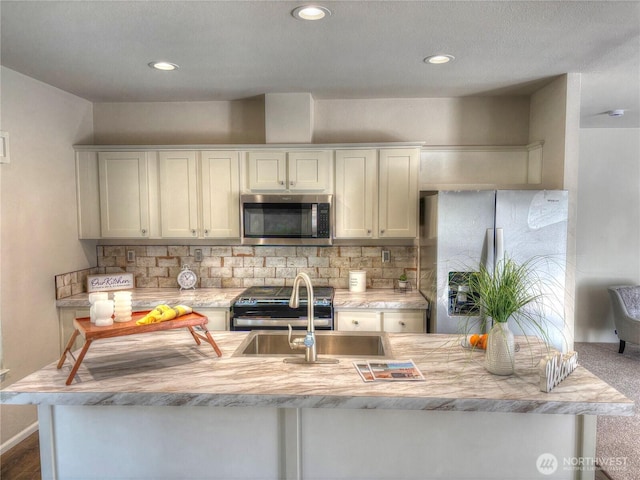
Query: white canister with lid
<point>93,298</point>
<point>103,310</point>
<point>357,281</point>
<point>122,306</point>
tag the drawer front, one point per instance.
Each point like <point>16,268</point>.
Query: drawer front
<point>359,321</point>
<point>404,322</point>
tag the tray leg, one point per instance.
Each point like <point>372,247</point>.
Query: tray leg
<point>68,348</point>
<point>194,335</point>
<point>213,343</point>
<point>208,338</point>
<point>76,365</point>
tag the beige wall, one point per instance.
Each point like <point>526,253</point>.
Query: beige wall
<point>38,224</point>
<point>548,122</point>
<point>170,123</point>
<point>436,121</point>
<point>608,229</point>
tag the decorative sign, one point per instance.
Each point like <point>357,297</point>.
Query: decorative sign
<point>555,368</point>
<point>106,283</point>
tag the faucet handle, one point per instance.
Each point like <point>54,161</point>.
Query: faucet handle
<point>295,343</point>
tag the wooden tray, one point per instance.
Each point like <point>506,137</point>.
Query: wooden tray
<point>90,332</point>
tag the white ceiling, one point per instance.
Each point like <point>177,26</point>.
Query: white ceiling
<point>99,50</point>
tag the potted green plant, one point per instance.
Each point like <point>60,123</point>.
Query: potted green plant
<point>509,290</point>
<point>402,281</point>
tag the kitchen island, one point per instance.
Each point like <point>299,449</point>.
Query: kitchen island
<point>159,406</point>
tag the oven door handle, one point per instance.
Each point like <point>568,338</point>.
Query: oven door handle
<point>278,322</point>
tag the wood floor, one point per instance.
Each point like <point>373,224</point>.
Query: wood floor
<point>22,462</point>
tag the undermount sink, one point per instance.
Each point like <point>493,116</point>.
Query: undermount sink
<point>337,344</point>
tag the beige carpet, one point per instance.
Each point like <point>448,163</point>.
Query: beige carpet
<point>618,441</point>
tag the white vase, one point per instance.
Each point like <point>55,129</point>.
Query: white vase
<point>500,355</point>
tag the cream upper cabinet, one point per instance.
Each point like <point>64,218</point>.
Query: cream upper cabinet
<point>88,195</point>
<point>356,193</point>
<point>220,187</point>
<point>294,171</point>
<point>267,171</point>
<point>125,210</point>
<point>377,193</point>
<point>179,210</point>
<point>309,171</point>
<point>398,193</point>
<point>199,194</point>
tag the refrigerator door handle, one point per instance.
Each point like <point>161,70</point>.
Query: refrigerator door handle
<point>499,246</point>
<point>490,246</point>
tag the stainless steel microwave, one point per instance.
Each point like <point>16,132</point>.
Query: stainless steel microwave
<point>287,219</point>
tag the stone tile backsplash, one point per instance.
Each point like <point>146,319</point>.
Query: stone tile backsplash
<point>244,266</point>
<point>71,283</point>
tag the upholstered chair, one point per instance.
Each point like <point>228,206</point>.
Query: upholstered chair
<point>626,313</point>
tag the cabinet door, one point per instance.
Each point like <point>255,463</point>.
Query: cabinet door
<point>220,184</point>
<point>218,318</point>
<point>398,193</point>
<point>178,195</point>
<point>309,171</point>
<point>267,171</point>
<point>360,321</point>
<point>356,185</point>
<point>409,321</point>
<point>88,194</point>
<point>66,316</point>
<point>124,194</point>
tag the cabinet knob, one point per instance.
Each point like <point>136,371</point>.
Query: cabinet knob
<point>281,182</point>
<point>144,231</point>
<point>206,232</point>
<point>355,322</point>
<point>292,183</point>
<point>193,232</point>
<point>382,232</point>
<point>369,232</point>
<point>402,324</point>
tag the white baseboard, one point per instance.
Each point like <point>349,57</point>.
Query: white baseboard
<point>16,439</point>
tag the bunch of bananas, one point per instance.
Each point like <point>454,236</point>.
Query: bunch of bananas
<point>164,312</point>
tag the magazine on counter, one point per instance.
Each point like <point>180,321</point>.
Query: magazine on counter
<point>388,370</point>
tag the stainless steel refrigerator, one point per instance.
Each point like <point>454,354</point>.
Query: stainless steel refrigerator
<point>461,230</point>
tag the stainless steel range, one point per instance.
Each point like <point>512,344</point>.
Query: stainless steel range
<point>264,308</point>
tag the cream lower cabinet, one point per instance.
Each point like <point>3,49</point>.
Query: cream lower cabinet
<point>66,317</point>
<point>372,320</point>
<point>377,193</point>
<point>218,318</point>
<point>199,194</point>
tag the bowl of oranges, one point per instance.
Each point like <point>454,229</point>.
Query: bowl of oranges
<point>476,340</point>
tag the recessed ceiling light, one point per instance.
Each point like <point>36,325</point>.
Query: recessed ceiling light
<point>438,59</point>
<point>616,113</point>
<point>311,12</point>
<point>164,66</point>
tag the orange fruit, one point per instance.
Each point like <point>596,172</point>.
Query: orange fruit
<point>482,343</point>
<point>474,339</point>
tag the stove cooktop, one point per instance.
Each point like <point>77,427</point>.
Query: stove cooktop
<point>277,295</point>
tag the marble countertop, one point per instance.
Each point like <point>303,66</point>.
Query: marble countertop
<point>379,298</point>
<point>224,298</point>
<point>168,368</point>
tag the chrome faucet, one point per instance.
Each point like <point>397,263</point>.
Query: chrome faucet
<point>308,342</point>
